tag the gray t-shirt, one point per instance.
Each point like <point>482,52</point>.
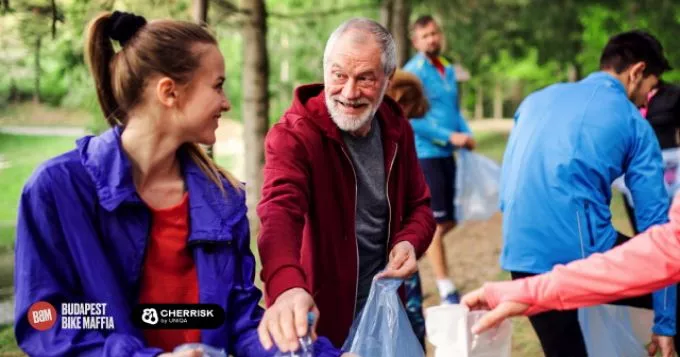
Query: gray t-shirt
<point>372,210</point>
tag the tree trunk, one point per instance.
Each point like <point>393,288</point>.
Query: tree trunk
<point>54,19</point>
<point>573,72</point>
<point>498,100</point>
<point>200,11</point>
<point>13,91</point>
<point>632,13</point>
<point>255,100</point>
<point>36,69</point>
<point>401,13</point>
<point>517,94</point>
<point>479,102</point>
<point>5,6</point>
<point>386,8</point>
<point>200,16</point>
<point>284,91</point>
<point>463,90</point>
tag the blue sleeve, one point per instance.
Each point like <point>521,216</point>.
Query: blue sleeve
<point>463,125</point>
<point>245,312</point>
<point>43,273</point>
<point>644,178</point>
<point>426,128</point>
<point>664,302</point>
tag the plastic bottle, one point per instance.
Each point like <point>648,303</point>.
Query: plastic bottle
<point>208,351</point>
<point>306,348</point>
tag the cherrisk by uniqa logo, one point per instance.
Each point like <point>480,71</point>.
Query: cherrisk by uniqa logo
<point>150,316</point>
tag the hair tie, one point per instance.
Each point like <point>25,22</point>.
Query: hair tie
<point>124,25</point>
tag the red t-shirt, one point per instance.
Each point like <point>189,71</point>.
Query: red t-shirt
<point>438,64</point>
<point>169,274</point>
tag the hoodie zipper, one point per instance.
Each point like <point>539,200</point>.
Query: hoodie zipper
<point>389,205</point>
<point>356,193</point>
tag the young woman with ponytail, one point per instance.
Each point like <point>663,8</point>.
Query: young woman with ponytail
<point>139,214</point>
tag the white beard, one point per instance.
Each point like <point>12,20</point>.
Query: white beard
<point>350,123</point>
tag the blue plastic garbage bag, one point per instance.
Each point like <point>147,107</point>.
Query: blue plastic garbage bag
<point>608,330</point>
<point>477,187</point>
<point>382,329</point>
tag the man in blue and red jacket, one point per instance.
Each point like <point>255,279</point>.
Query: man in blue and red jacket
<point>438,134</point>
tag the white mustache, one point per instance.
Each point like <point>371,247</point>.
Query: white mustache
<point>355,102</point>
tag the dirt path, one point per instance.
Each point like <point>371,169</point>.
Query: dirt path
<point>500,125</point>
<point>472,254</point>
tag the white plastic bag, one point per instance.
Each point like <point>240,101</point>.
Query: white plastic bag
<point>477,186</point>
<point>448,330</point>
<point>616,331</point>
<point>671,175</point>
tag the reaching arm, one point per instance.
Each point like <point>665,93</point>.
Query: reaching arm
<point>646,263</point>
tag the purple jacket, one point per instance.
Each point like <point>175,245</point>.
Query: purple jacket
<point>81,237</point>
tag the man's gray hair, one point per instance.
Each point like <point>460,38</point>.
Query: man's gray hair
<point>381,35</point>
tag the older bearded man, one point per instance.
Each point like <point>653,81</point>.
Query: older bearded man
<point>343,195</point>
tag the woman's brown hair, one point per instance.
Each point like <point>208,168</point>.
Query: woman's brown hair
<point>160,47</point>
<point>407,90</point>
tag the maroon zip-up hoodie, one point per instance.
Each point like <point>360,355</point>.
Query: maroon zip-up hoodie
<point>307,211</point>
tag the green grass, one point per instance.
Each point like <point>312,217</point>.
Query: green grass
<point>491,144</point>
<point>7,231</point>
<point>619,216</point>
<point>6,274</point>
<point>8,345</point>
<point>30,114</point>
<point>24,154</point>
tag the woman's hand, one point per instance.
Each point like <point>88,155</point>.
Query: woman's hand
<point>476,300</point>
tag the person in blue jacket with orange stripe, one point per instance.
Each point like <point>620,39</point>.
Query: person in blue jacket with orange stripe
<point>139,214</point>
<point>437,134</point>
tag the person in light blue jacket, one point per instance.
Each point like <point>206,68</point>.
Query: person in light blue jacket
<point>437,134</point>
<point>569,143</point>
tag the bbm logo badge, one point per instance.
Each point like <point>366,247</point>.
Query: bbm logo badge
<point>150,316</point>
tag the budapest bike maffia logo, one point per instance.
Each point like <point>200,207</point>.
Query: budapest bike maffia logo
<point>178,316</point>
<point>42,316</point>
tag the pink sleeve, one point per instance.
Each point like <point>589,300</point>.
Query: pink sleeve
<point>648,262</point>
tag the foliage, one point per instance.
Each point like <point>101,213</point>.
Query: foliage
<point>525,44</point>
